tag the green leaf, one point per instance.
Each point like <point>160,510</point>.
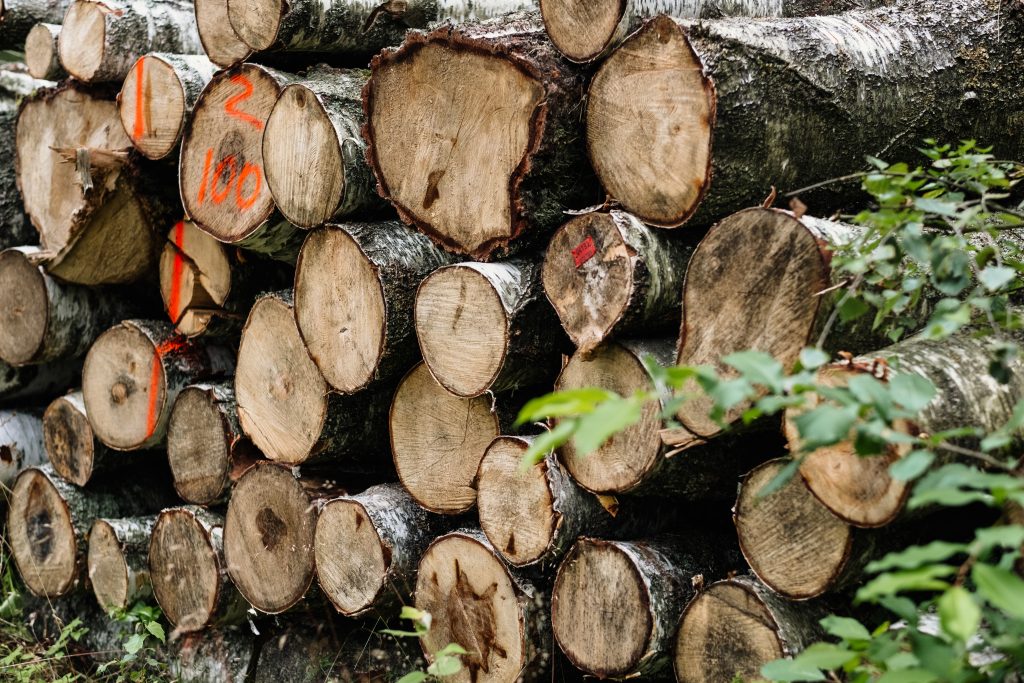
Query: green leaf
<point>812,358</point>
<point>567,403</point>
<point>157,630</point>
<point>996,277</point>
<point>1003,589</point>
<point>959,614</point>
<point>757,367</point>
<point>907,676</point>
<point>936,206</point>
<point>845,628</point>
<point>400,634</point>
<point>852,308</point>
<point>413,677</point>
<point>913,392</point>
<point>134,643</point>
<point>780,479</point>
<point>912,465</point>
<point>787,670</point>
<point>451,649</point>
<point>1008,536</point>
<point>445,666</point>
<point>904,608</point>
<point>544,443</point>
<point>916,556</point>
<point>825,425</point>
<point>610,418</point>
<point>923,579</point>
<point>826,656</point>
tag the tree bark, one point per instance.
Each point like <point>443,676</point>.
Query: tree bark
<point>609,275</point>
<point>486,327</point>
<point>102,42</point>
<point>157,99</point>
<point>15,227</point>
<point>134,372</point>
<point>354,289</point>
<point>36,382</point>
<point>21,444</point>
<point>496,132</point>
<point>332,652</point>
<point>117,561</point>
<point>215,655</point>
<point>865,82</point>
<point>17,17</point>
<point>41,53</point>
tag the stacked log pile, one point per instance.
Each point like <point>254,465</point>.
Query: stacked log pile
<point>278,276</point>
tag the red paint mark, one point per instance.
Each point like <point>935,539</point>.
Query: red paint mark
<point>219,197</point>
<point>231,106</point>
<point>206,174</point>
<point>584,251</point>
<point>247,170</point>
<point>140,112</point>
<point>174,343</point>
<point>174,301</point>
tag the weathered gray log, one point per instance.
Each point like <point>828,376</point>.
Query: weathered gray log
<point>499,614</point>
<point>490,152</point>
<point>609,275</point>
<point>225,655</point>
<point>21,444</point>
<point>17,17</point>
<point>41,56</point>
<point>157,99</point>
<point>101,42</point>
<point>189,574</point>
<point>864,82</point>
<point>368,546</point>
<point>72,447</point>
<point>15,84</point>
<point>486,327</point>
<point>354,289</point>
<point>134,372</point>
<point>118,561</point>
<point>222,44</point>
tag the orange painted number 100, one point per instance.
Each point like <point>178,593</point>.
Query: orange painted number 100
<point>216,188</point>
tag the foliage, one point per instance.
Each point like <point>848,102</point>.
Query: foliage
<point>447,660</point>
<point>931,244</point>
<point>143,637</point>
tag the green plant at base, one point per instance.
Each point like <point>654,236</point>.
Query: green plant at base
<point>144,636</point>
<point>447,660</point>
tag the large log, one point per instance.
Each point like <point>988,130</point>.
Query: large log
<point>17,17</point>
<point>15,227</point>
<point>157,99</point>
<point>133,373</point>
<point>41,56</point>
<point>101,42</point>
<point>221,43</point>
<point>609,275</point>
<point>496,613</point>
<point>864,82</point>
<point>490,151</point>
<point>284,404</point>
<point>21,444</point>
<point>354,289</point>
<point>486,327</point>
<point>117,561</point>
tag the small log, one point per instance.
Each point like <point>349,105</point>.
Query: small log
<point>736,626</point>
<point>134,372</point>
<point>490,152</point>
<point>206,448</point>
<point>284,404</point>
<point>157,99</point>
<point>354,289</point>
<point>221,43</point>
<point>73,449</point>
<point>21,444</point>
<point>101,42</point>
<point>269,535</point>
<point>41,53</point>
<point>497,614</point>
<point>117,561</point>
<point>17,17</point>
<point>44,320</point>
<point>190,581</point>
<point>609,275</point>
<point>368,546</point>
<point>429,425</point>
<point>487,327</point>
<point>15,227</point>
<point>225,655</point>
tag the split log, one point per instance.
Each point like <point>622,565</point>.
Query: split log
<point>615,605</point>
<point>190,581</point>
<point>486,327</point>
<point>21,444</point>
<point>367,548</point>
<point>284,404</point>
<point>134,372</point>
<point>497,614</point>
<point>490,152</point>
<point>101,42</point>
<point>269,535</point>
<point>15,227</point>
<point>157,98</point>
<point>609,275</point>
<point>41,53</point>
<point>864,82</point>
<point>117,561</point>
<point>354,290</point>
<point>36,382</point>
<point>215,656</point>
<point>44,320</point>
<point>313,154</point>
<point>73,449</point>
<point>221,43</point>
<point>206,448</point>
<point>736,626</point>
<point>17,17</point>
<point>429,425</point>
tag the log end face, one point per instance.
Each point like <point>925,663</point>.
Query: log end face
<point>108,570</point>
<point>582,29</point>
<point>256,22</point>
<point>195,278</point>
<point>69,441</point>
<point>42,535</point>
<point>82,42</point>
<point>351,560</point>
<point>198,447</point>
<point>184,569</point>
<point>24,308</point>
<point>152,107</point>
<point>39,51</point>
<point>221,43</point>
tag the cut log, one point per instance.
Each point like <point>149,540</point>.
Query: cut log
<point>269,535</point>
<point>609,275</point>
<point>205,445</point>
<point>44,320</point>
<point>17,17</point>
<point>73,449</point>
<point>860,489</point>
<point>798,84</point>
<point>41,52</point>
<point>117,561</point>
<point>21,444</point>
<point>354,290</point>
<point>736,626</point>
<point>222,44</point>
<point>486,327</point>
<point>134,372</point>
<point>101,42</point>
<point>368,546</point>
<point>15,84</point>
<point>615,605</point>
<point>284,404</point>
<point>313,155</point>
<point>190,581</point>
<point>438,440</point>
<point>497,614</point>
<point>157,98</point>
<point>490,151</point>
<point>215,656</point>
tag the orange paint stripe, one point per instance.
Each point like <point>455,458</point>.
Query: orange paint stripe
<point>173,344</point>
<point>174,302</point>
<point>140,91</point>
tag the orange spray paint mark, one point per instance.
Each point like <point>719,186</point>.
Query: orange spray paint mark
<point>231,106</point>
<point>206,175</point>
<point>160,350</point>
<point>140,90</point>
<point>174,301</point>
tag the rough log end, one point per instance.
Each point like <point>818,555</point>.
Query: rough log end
<point>152,106</point>
<point>199,447</point>
<point>69,439</point>
<point>221,43</point>
<point>582,30</point>
<point>24,308</point>
<point>82,44</point>
<point>351,559</point>
<point>108,569</point>
<point>42,535</point>
<point>41,51</point>
<point>185,570</point>
<point>195,278</point>
<point>256,22</point>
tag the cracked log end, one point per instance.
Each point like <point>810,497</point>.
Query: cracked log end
<point>42,535</point>
<point>430,426</point>
<point>195,278</point>
<point>108,569</point>
<point>792,542</point>
<point>256,22</point>
<point>185,570</point>
<point>199,446</point>
<point>69,439</point>
<point>650,117</point>
<point>221,43</point>
<point>582,29</point>
<point>268,538</point>
<point>152,106</point>
<point>351,559</point>
<point>24,308</point>
<point>82,43</point>
<point>282,397</point>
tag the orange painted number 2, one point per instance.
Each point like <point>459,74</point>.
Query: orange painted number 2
<point>216,188</point>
